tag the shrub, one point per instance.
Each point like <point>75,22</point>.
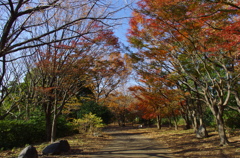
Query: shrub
<point>18,133</point>
<point>99,110</point>
<point>208,118</point>
<point>64,128</point>
<point>90,123</point>
<point>15,133</point>
<point>232,118</point>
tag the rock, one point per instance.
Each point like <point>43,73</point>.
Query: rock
<point>97,134</point>
<point>56,148</point>
<point>52,149</point>
<point>64,145</point>
<point>29,152</point>
<point>201,132</point>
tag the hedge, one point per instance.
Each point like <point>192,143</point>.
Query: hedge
<point>17,133</point>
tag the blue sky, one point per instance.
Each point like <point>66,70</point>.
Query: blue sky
<point>121,30</point>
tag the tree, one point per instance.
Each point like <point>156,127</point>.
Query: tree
<point>11,89</point>
<point>111,67</point>
<point>108,74</point>
<point>229,31</point>
<point>65,69</point>
<point>23,21</point>
<point>174,32</point>
<point>27,25</point>
<point>60,77</point>
<point>119,103</point>
<point>156,94</point>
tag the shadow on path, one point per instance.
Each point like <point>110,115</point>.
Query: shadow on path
<point>131,144</point>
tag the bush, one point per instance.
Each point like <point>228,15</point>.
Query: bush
<point>18,133</point>
<point>100,111</point>
<point>90,123</point>
<point>15,133</point>
<point>65,128</point>
<point>146,122</point>
<point>232,118</point>
<point>208,118</point>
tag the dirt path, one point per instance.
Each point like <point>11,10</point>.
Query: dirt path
<point>131,143</point>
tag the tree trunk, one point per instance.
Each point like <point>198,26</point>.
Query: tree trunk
<point>54,129</point>
<point>119,122</point>
<point>217,111</point>
<point>169,122</point>
<point>123,120</point>
<point>159,122</point>
<point>221,130</point>
<point>54,122</point>
<point>187,122</point>
<point>48,120</point>
<point>48,126</point>
<point>28,103</point>
<point>186,115</point>
<point>27,112</point>
<point>175,123</point>
<point>195,122</point>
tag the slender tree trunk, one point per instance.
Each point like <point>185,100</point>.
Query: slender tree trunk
<point>48,126</point>
<point>54,121</point>
<point>2,88</point>
<point>27,112</point>
<point>169,122</point>
<point>195,122</point>
<point>187,122</point>
<point>28,103</point>
<point>119,122</point>
<point>201,122</point>
<point>175,123</point>
<point>185,115</point>
<point>159,122</point>
<point>2,76</point>
<point>48,120</point>
<point>237,98</point>
<point>54,129</point>
<point>123,120</point>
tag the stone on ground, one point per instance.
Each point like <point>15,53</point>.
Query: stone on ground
<point>202,132</point>
<point>29,152</point>
<point>56,148</point>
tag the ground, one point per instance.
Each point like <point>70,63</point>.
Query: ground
<point>144,142</point>
<point>183,143</point>
<point>130,142</point>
